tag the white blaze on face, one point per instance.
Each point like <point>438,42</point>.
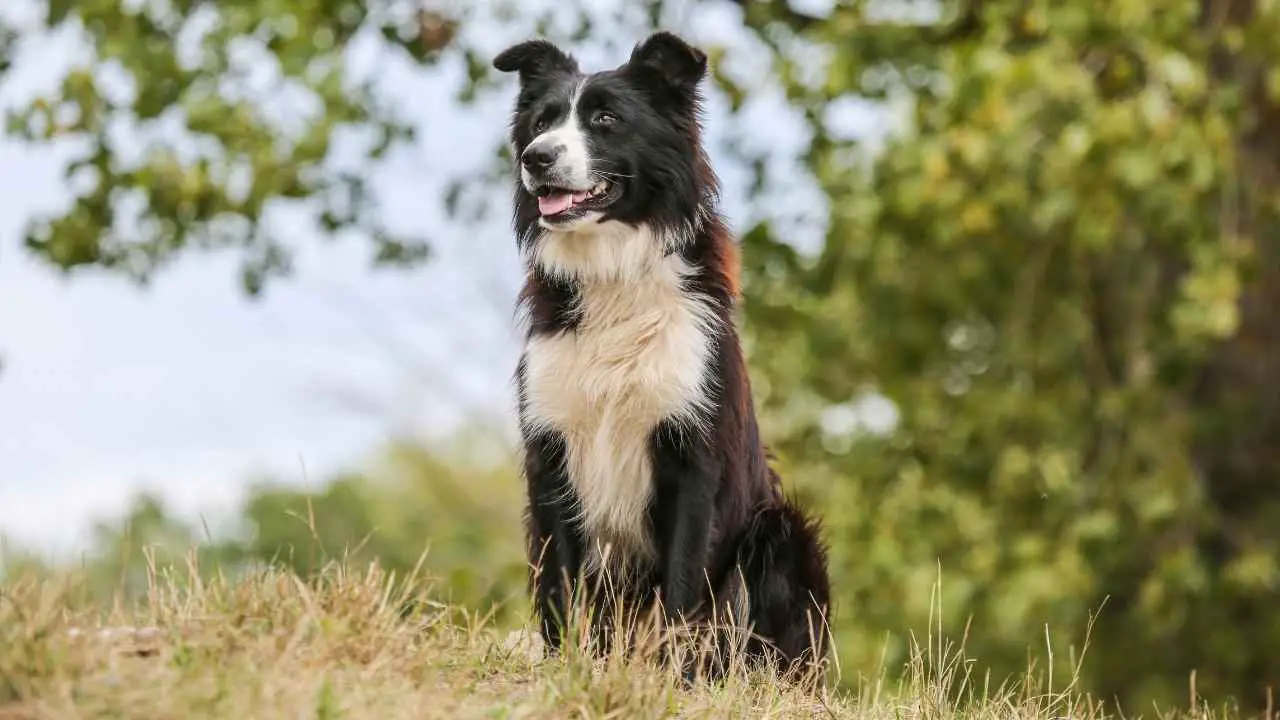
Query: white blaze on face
<point>574,163</point>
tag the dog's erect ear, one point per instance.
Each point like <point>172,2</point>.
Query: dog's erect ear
<point>534,59</point>
<point>671,59</point>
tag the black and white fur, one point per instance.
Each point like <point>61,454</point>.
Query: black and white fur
<point>642,454</point>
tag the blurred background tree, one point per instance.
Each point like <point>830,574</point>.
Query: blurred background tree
<point>450,512</point>
<point>1058,270</point>
<point>218,72</point>
<point>1034,348</point>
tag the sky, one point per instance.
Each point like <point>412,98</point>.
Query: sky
<point>189,390</point>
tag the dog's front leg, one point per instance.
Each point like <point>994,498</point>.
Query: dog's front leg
<point>555,543</point>
<point>687,476</point>
<point>686,479</point>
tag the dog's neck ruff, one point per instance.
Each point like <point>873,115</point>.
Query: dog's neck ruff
<point>606,251</point>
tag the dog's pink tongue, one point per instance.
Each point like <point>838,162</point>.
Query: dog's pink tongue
<point>554,204</point>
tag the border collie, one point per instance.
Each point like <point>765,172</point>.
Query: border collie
<point>644,464</point>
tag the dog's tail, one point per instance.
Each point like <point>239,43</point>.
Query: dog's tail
<point>784,567</point>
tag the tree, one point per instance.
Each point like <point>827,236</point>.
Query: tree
<point>201,66</point>
<point>1059,271</point>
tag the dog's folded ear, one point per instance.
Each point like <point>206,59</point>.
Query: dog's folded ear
<point>535,59</point>
<point>664,55</point>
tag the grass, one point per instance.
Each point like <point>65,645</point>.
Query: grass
<point>363,644</point>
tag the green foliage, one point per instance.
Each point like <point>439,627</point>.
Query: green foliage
<point>1056,270</point>
<point>211,70</point>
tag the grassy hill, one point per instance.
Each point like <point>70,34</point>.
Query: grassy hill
<point>363,644</point>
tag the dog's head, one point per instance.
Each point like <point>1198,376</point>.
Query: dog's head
<point>619,144</point>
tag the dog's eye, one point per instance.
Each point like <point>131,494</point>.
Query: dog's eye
<point>539,126</point>
<point>604,119</point>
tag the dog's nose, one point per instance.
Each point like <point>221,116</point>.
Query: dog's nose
<point>540,157</point>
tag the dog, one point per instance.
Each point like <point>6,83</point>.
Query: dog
<point>643,460</point>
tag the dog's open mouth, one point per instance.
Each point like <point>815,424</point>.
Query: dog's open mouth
<point>555,204</point>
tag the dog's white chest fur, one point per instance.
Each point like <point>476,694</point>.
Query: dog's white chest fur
<point>638,357</point>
